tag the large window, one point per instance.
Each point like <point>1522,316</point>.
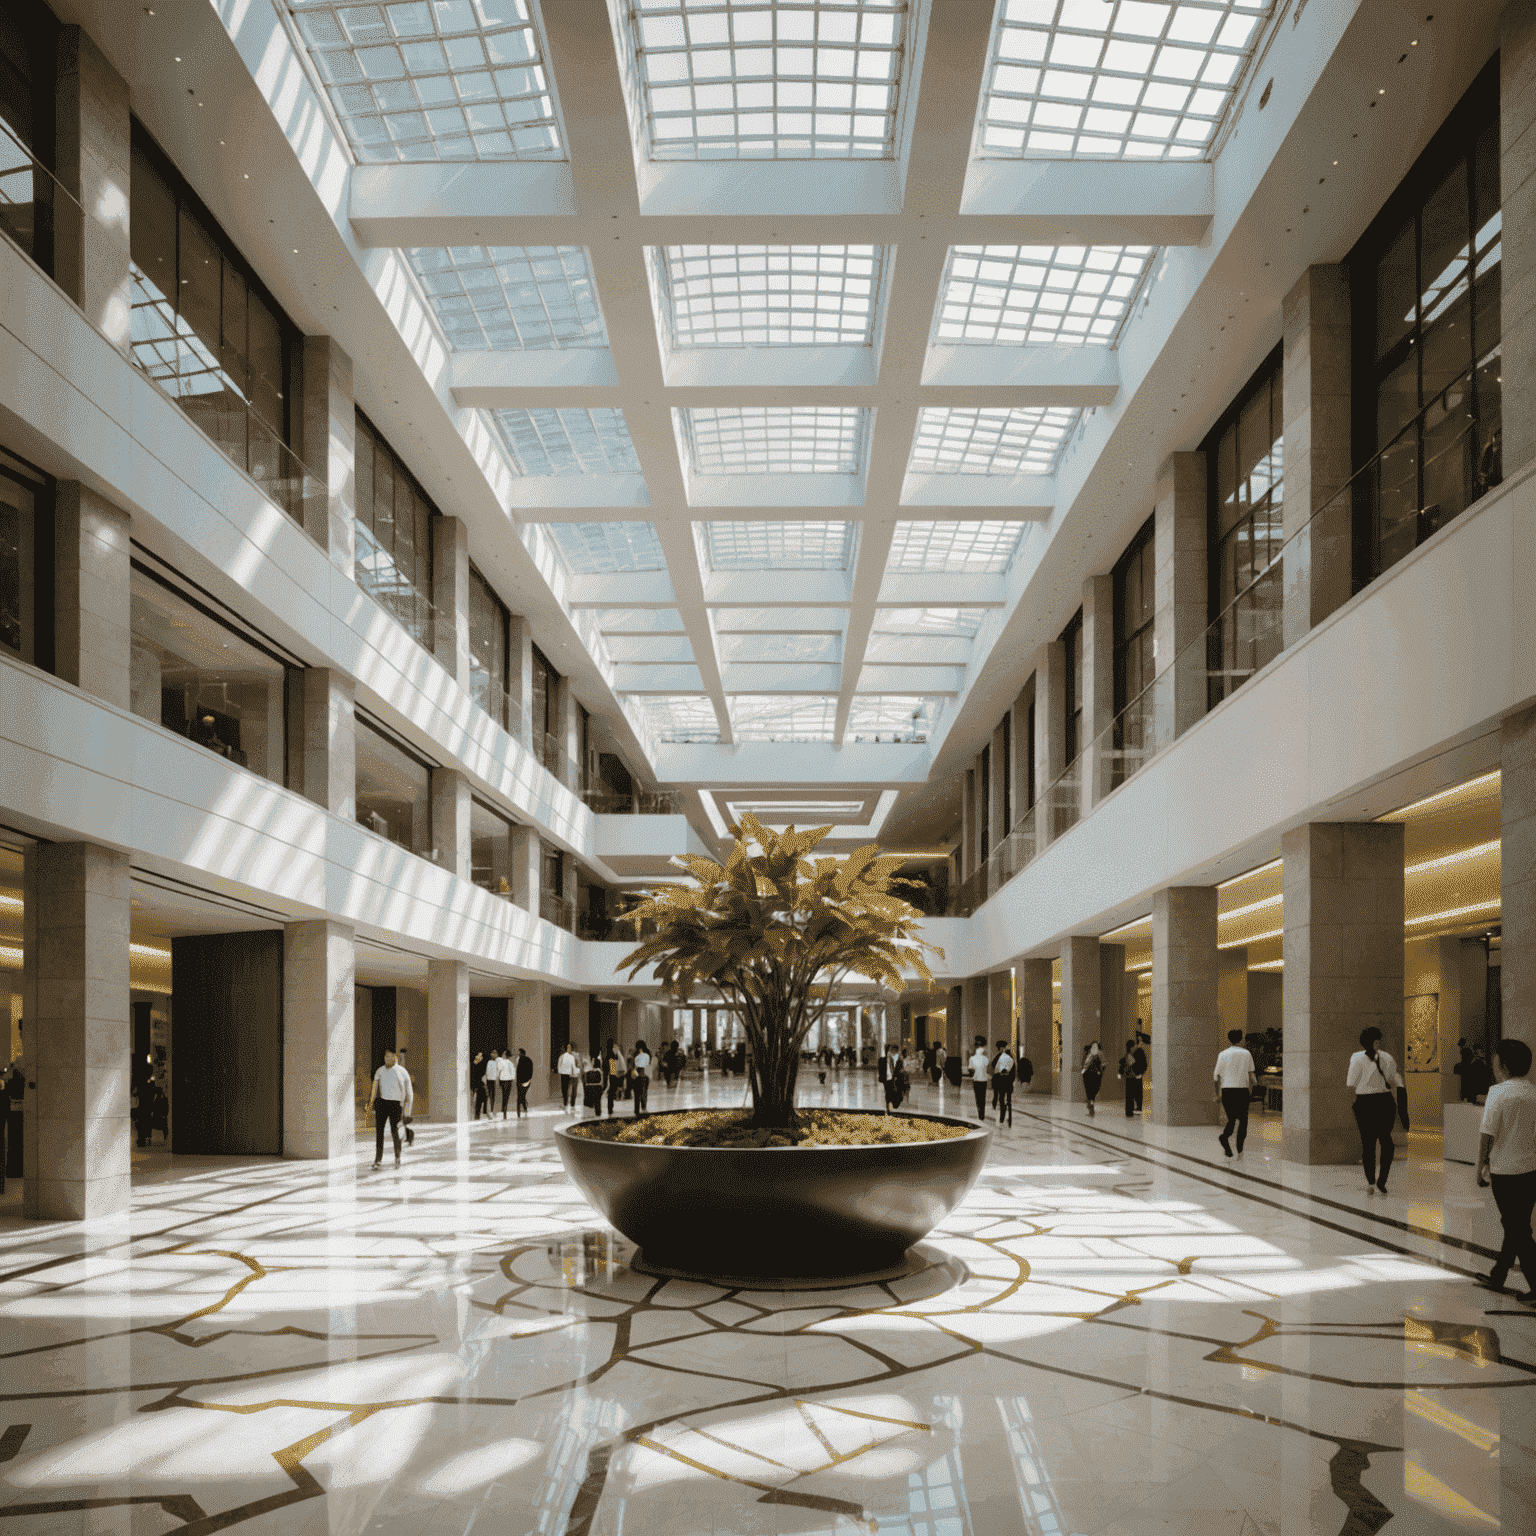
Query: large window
<point>1426,291</point>
<point>24,492</point>
<point>1245,476</point>
<point>490,848</point>
<point>207,331</point>
<point>1135,662</point>
<point>28,39</point>
<point>394,534</point>
<point>394,788</point>
<point>544,708</point>
<point>488,619</point>
<point>1072,643</point>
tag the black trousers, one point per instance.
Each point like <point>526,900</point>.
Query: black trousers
<point>642,1086</point>
<point>979,1088</point>
<point>567,1091</point>
<point>1374,1114</point>
<point>522,1098</point>
<point>385,1112</point>
<point>1515,1196</point>
<point>1235,1103</point>
<point>1132,1096</point>
<point>480,1103</point>
<point>1092,1082</point>
<point>1002,1096</point>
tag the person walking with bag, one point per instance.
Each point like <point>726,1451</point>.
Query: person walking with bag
<point>1133,1067</point>
<point>618,1073</point>
<point>1093,1072</point>
<point>1235,1077</point>
<point>1506,1156</point>
<point>391,1097</point>
<point>522,1075</point>
<point>641,1077</point>
<point>1375,1079</point>
<point>477,1068</point>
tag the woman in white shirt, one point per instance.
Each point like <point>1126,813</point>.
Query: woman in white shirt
<point>1374,1076</point>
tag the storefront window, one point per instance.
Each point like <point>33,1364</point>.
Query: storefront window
<point>487,648</point>
<point>394,535</point>
<point>1135,608</point>
<point>21,488</point>
<point>201,677</point>
<point>490,849</point>
<point>394,789</point>
<point>28,40</point>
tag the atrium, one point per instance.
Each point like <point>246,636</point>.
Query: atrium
<point>459,458</point>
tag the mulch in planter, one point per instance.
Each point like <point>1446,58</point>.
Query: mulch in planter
<point>733,1128</point>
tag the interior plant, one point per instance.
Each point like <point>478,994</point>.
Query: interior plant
<point>776,933</point>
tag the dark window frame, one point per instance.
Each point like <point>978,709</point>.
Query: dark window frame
<point>421,622</point>
<point>1072,690</point>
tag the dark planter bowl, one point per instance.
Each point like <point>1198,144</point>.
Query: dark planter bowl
<point>776,1211</point>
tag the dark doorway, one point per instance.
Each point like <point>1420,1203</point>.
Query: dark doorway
<point>487,1025</point>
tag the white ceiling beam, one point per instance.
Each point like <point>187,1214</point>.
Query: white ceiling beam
<point>922,589</point>
<point>948,83</point>
<point>780,677</point>
<point>758,589</point>
<point>1026,498</point>
<point>622,589</point>
<point>700,764</point>
<point>910,679</point>
<point>1057,375</point>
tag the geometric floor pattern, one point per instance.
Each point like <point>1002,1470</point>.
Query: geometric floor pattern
<point>1116,1334</point>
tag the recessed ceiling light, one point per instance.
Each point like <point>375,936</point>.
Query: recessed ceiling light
<point>178,58</point>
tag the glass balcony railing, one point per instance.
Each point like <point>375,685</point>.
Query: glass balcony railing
<point>639,802</point>
<point>557,910</point>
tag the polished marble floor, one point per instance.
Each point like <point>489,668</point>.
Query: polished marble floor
<point>1119,1332</point>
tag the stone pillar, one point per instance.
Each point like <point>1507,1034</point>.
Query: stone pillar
<point>1181,590</point>
<point>1343,947</point>
<point>319,976</point>
<point>75,956</point>
<point>527,867</point>
<point>327,740</point>
<point>1114,1023</point>
<point>92,623</point>
<point>629,1025</point>
<point>1036,1011</point>
<point>450,597</point>
<point>568,733</point>
<point>520,679</point>
<point>528,1028</point>
<point>1185,1021</point>
<point>450,821</point>
<point>448,1039</point>
<point>1319,569</point>
<point>999,1008</point>
<point>1098,688</point>
<point>90,243</point>
<point>329,450</point>
<point>1050,732</point>
<point>1079,1015</point>
<point>1517,195</point>
<point>1517,879</point>
<point>967,823</point>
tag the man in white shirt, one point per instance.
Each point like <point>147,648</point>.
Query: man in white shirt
<point>1002,1069</point>
<point>979,1074</point>
<point>1235,1077</point>
<point>391,1097</point>
<point>640,1077</point>
<point>502,1062</point>
<point>569,1069</point>
<point>1506,1154</point>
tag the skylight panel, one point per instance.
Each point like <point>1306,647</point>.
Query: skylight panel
<point>572,441</point>
<point>782,716</point>
<point>447,81</point>
<point>639,621</point>
<point>680,717</point>
<point>764,81</point>
<point>511,298</point>
<point>763,440</point>
<point>754,546</point>
<point>891,717</point>
<point>769,295</point>
<point>593,549</point>
<point>998,441</point>
<point>1115,79</point>
<point>780,620</point>
<point>962,622</point>
<point>1039,295</point>
<point>973,549</point>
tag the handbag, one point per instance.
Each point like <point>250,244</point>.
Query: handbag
<point>1402,1108</point>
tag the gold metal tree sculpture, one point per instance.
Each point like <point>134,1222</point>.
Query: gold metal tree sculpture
<point>776,933</point>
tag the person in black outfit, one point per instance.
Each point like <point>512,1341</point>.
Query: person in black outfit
<point>1133,1067</point>
<point>523,1075</point>
<point>477,1082</point>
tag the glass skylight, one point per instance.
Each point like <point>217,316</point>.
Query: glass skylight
<point>974,549</point>
<point>454,80</point>
<point>763,81</point>
<point>782,716</point>
<point>780,620</point>
<point>680,717</point>
<point>572,441</point>
<point>1013,295</point>
<point>962,622</point>
<point>591,549</point>
<point>992,441</point>
<point>763,440</point>
<point>639,621</point>
<point>769,295</point>
<point>752,546</point>
<point>1118,79</point>
<point>511,298</point>
<point>891,717</point>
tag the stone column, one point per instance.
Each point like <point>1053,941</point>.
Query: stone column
<point>999,1008</point>
<point>448,1039</point>
<point>1517,195</point>
<point>520,679</point>
<point>450,821</point>
<point>329,451</point>
<point>319,975</point>
<point>527,868</point>
<point>450,597</point>
<point>1035,1017</point>
<point>528,1028</point>
<point>1517,879</point>
<point>1186,1023</point>
<point>954,1024</point>
<point>1079,1014</point>
<point>629,1025</point>
<point>1182,594</point>
<point>1319,569</point>
<point>90,243</point>
<point>75,959</point>
<point>1098,688</point>
<point>1050,732</point>
<point>967,823</point>
<point>1343,947</point>
<point>92,621</point>
<point>327,740</point>
<point>568,733</point>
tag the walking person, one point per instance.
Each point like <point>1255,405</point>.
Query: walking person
<point>391,1097</point>
<point>569,1069</point>
<point>592,1086</point>
<point>492,1083</point>
<point>1235,1077</point>
<point>618,1071</point>
<point>641,1077</point>
<point>930,1063</point>
<point>979,1073</point>
<point>1003,1068</point>
<point>940,1056</point>
<point>506,1080</point>
<point>410,1097</point>
<point>522,1075</point>
<point>477,1069</point>
<point>1375,1079</point>
<point>1506,1155</point>
<point>890,1072</point>
<point>1133,1067</point>
<point>1093,1072</point>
